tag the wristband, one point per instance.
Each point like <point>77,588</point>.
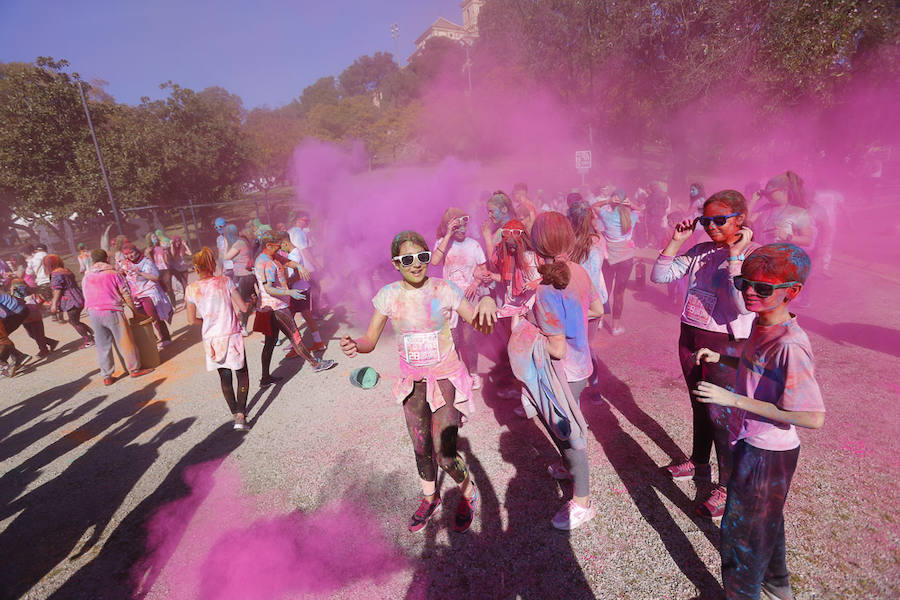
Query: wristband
<point>736,258</point>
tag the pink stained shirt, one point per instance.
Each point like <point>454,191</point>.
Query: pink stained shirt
<point>101,285</point>
<point>777,367</point>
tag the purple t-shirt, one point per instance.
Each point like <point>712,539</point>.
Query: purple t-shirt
<point>71,297</point>
<point>777,366</point>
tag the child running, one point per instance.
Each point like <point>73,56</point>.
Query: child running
<point>714,317</point>
<point>274,314</point>
<point>434,386</point>
<point>212,300</point>
<point>776,389</point>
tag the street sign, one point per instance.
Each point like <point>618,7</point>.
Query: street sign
<point>583,160</point>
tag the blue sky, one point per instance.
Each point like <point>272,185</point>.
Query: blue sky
<point>265,51</point>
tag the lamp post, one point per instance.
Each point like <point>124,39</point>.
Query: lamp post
<point>395,33</point>
<point>467,66</point>
<point>112,200</point>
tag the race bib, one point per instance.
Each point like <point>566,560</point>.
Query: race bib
<point>698,307</point>
<point>422,349</point>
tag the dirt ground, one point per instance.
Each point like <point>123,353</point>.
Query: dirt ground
<point>85,466</point>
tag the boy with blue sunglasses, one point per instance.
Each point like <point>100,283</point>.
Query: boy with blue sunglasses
<point>777,391</point>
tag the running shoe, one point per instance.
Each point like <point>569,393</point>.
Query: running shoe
<point>52,344</point>
<point>86,344</point>
<point>269,380</point>
<point>687,470</point>
<point>18,362</point>
<point>559,471</point>
<point>714,507</point>
<point>775,592</point>
<point>465,511</point>
<point>240,424</point>
<point>163,344</point>
<point>324,365</point>
<point>476,381</point>
<point>573,515</point>
<point>424,513</point>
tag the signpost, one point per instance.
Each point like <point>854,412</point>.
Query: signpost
<point>583,162</point>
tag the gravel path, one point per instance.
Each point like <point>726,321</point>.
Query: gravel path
<point>85,466</point>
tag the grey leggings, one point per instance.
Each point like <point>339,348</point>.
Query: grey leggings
<point>576,458</point>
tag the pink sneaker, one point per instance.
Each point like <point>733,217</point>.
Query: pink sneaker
<point>687,470</point>
<point>424,513</point>
<point>714,507</point>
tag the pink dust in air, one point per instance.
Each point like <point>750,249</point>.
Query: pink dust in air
<point>216,544</point>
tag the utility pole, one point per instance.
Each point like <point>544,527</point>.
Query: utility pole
<point>395,33</point>
<point>112,200</point>
<point>468,67</point>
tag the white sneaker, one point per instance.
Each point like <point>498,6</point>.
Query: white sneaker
<point>573,515</point>
<point>618,330</point>
<point>476,381</point>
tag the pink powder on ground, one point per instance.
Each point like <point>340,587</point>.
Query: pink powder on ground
<point>213,544</point>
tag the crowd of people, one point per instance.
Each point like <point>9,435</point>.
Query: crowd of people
<point>544,278</point>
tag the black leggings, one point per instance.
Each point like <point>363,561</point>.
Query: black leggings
<point>711,421</point>
<point>283,321</point>
<point>165,280</point>
<point>181,276</point>
<point>82,328</point>
<point>434,433</point>
<point>235,404</point>
<point>35,331</point>
<point>616,277</point>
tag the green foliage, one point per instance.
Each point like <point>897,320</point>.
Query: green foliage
<point>323,91</point>
<point>272,136</point>
<point>638,63</point>
<point>43,131</point>
<point>366,73</point>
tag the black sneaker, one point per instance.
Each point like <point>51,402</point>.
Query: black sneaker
<point>52,344</point>
<point>269,380</point>
<point>424,513</point>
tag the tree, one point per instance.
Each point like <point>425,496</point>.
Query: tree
<point>204,152</point>
<point>43,131</point>
<point>272,136</point>
<point>366,73</point>
<point>323,91</point>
